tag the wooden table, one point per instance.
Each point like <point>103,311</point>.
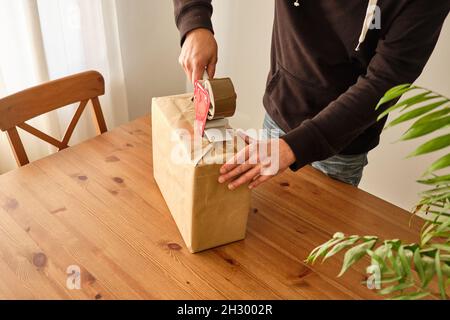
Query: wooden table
<point>96,207</point>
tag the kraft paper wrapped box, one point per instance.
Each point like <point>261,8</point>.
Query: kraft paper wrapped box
<point>207,214</point>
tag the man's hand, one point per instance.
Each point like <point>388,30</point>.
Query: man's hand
<point>257,163</point>
<point>199,53</point>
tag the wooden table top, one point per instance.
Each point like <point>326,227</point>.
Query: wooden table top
<point>96,206</point>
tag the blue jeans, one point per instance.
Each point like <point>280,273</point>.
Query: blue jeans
<point>346,168</point>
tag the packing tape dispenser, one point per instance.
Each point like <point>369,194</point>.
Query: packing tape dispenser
<point>215,101</point>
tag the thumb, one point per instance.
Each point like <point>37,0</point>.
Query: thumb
<point>211,70</point>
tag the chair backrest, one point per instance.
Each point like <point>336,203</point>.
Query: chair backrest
<point>18,108</point>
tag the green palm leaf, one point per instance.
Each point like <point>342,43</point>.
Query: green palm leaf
<point>400,263</point>
<point>434,115</point>
<point>412,296</point>
<point>355,254</point>
<point>440,276</point>
<point>341,246</point>
<point>422,129</point>
<point>395,93</point>
<point>432,146</point>
<point>416,113</point>
<point>440,164</point>
<point>436,180</point>
<point>419,266</point>
<point>410,102</point>
<point>404,261</point>
<point>395,288</point>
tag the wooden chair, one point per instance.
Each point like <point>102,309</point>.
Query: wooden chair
<point>18,108</point>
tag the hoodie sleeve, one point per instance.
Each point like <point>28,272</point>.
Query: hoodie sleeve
<point>192,14</point>
<point>401,56</point>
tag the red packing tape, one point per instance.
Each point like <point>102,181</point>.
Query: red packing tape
<point>202,105</point>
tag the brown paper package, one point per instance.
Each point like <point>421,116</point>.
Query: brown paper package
<point>207,214</point>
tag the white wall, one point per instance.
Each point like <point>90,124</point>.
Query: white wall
<point>243,30</point>
<point>150,49</point>
<point>391,176</point>
<point>149,42</point>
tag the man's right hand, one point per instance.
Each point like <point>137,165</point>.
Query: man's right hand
<point>199,53</point>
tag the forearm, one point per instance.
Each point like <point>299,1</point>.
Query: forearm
<point>400,58</point>
<point>192,14</point>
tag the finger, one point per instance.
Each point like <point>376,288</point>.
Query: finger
<point>256,177</point>
<point>270,168</point>
<point>188,70</point>
<point>237,160</point>
<point>211,70</point>
<point>259,181</point>
<point>246,137</point>
<point>198,72</point>
<point>188,74</point>
<point>235,173</point>
<point>245,178</point>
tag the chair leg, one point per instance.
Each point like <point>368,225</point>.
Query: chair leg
<point>17,147</point>
<point>98,114</point>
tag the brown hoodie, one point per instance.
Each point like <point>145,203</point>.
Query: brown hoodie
<point>321,90</point>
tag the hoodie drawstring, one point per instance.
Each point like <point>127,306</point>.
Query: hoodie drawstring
<point>370,15</point>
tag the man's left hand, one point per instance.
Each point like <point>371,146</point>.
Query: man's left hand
<point>257,163</point>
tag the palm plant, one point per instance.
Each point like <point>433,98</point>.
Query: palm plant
<point>405,271</point>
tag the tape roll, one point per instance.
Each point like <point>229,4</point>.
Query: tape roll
<point>223,98</point>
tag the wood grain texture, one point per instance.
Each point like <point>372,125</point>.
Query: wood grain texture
<point>30,103</point>
<point>97,206</point>
<point>18,108</point>
<point>17,146</point>
<point>41,135</point>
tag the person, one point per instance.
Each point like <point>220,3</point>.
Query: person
<point>331,62</point>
